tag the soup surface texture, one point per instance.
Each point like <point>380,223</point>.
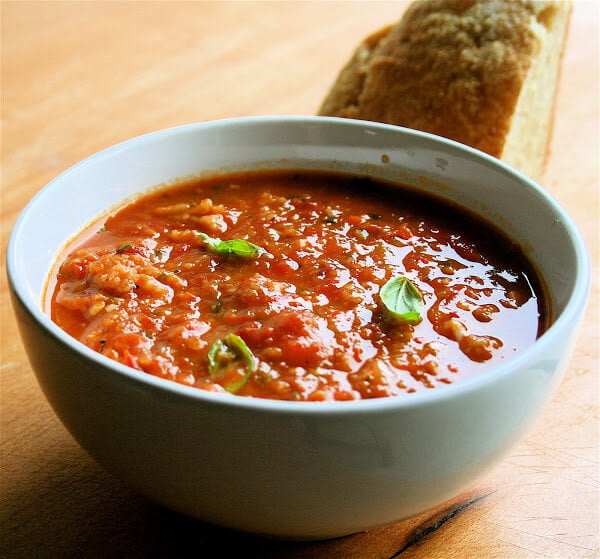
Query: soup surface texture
<point>269,284</point>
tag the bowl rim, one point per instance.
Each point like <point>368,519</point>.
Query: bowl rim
<point>574,305</point>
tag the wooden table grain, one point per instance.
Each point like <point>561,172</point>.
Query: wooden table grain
<point>80,76</point>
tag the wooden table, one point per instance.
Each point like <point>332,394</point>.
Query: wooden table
<point>80,76</point>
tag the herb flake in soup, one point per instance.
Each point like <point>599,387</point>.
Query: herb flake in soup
<point>299,286</point>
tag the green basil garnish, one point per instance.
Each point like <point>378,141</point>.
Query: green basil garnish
<point>402,299</point>
<point>237,247</point>
<point>226,353</point>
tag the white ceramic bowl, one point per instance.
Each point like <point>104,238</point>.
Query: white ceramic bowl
<point>295,469</point>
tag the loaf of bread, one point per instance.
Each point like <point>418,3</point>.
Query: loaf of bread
<point>481,72</point>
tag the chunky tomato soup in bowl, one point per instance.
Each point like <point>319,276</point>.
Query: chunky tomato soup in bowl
<point>297,327</point>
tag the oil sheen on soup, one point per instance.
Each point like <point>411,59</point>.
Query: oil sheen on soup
<point>298,286</point>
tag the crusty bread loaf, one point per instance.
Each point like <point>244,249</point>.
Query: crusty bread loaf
<point>482,72</point>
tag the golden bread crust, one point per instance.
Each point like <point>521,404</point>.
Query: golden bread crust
<point>450,67</point>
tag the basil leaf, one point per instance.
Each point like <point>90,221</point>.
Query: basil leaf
<point>402,299</point>
<point>223,354</point>
<point>237,247</point>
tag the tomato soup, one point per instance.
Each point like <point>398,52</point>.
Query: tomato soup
<point>299,286</point>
